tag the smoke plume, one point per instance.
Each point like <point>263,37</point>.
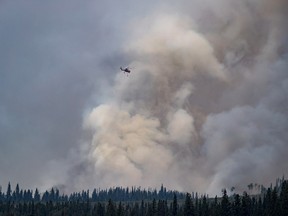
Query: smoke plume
<point>205,106</point>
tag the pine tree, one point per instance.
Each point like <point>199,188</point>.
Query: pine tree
<point>225,205</point>
<point>154,207</point>
<point>52,194</point>
<point>284,198</point>
<point>245,205</point>
<point>94,195</point>
<point>100,209</point>
<point>205,207</point>
<point>268,202</point>
<point>196,209</point>
<point>215,208</point>
<point>174,205</point>
<point>275,202</point>
<point>142,208</point>
<point>237,205</point>
<point>17,192</point>
<point>120,210</point>
<point>162,208</point>
<point>188,206</point>
<point>110,209</point>
<point>9,191</point>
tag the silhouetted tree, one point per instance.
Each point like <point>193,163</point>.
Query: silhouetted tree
<point>284,198</point>
<point>236,205</point>
<point>17,193</point>
<point>110,208</point>
<point>204,207</point>
<point>174,205</point>
<point>188,206</point>
<point>36,195</point>
<point>9,191</point>
<point>225,204</point>
<point>245,204</point>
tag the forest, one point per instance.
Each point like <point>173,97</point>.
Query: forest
<point>135,201</point>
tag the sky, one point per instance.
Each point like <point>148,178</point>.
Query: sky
<point>204,108</point>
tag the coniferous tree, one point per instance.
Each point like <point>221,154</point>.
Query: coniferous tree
<point>154,207</point>
<point>57,196</point>
<point>135,209</point>
<point>1,195</point>
<point>32,208</point>
<point>9,191</point>
<point>162,208</point>
<point>100,209</point>
<point>52,194</point>
<point>225,205</point>
<point>275,202</point>
<point>17,192</point>
<point>30,195</point>
<point>120,210</point>
<point>259,210</point>
<point>13,197</point>
<point>237,205</point>
<point>142,208</point>
<point>94,195</point>
<point>267,202</point>
<point>205,207</point>
<point>150,210</point>
<point>110,209</point>
<point>215,208</point>
<point>21,195</point>
<point>196,207</point>
<point>188,206</point>
<point>45,197</point>
<point>284,198</point>
<point>37,195</point>
<point>174,205</point>
<point>245,205</point>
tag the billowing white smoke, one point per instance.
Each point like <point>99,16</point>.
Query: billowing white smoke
<point>205,106</point>
<point>146,135</point>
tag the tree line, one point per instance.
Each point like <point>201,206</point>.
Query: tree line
<point>100,195</point>
<point>273,202</point>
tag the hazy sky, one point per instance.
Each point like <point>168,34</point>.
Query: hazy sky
<point>205,106</point>
<point>52,63</point>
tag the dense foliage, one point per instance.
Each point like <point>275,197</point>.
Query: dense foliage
<point>125,201</point>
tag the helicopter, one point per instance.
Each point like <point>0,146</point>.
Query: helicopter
<point>125,70</point>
